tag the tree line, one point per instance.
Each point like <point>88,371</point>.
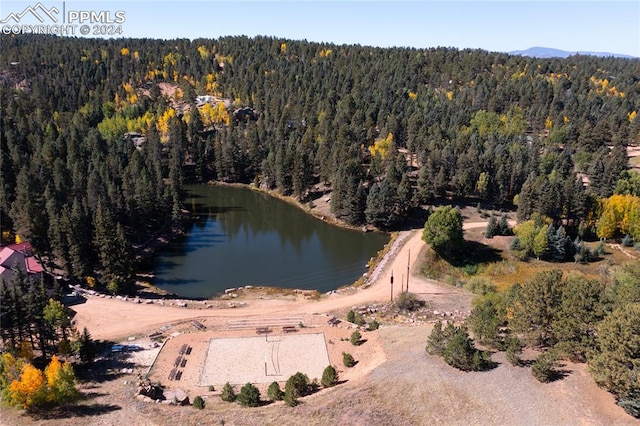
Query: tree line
<point>385,130</point>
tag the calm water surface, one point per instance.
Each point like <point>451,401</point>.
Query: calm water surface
<point>243,237</point>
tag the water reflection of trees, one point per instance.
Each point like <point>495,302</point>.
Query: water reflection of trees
<point>254,213</point>
<point>340,255</point>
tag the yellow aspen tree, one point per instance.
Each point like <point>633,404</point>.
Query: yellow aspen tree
<point>29,390</point>
<point>60,382</point>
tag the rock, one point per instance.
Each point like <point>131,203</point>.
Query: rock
<point>178,395</point>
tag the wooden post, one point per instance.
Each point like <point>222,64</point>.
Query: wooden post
<point>408,263</point>
<point>392,285</point>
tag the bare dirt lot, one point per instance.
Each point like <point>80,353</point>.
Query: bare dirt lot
<point>394,382</point>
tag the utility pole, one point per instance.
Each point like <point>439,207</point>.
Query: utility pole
<point>408,262</point>
<point>392,285</point>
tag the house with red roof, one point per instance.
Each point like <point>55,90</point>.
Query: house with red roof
<point>19,255</point>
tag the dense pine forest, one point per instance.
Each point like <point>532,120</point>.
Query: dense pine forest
<point>98,136</point>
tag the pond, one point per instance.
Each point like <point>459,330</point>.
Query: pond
<point>243,237</point>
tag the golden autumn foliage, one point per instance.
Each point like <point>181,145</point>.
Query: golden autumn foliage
<point>163,123</point>
<point>132,96</point>
<point>25,386</point>
<point>620,214</point>
<point>210,84</point>
<point>412,95</point>
<point>283,48</point>
<point>325,53</point>
<point>203,51</point>
<point>214,114</point>
<point>632,116</point>
<point>604,87</point>
<point>29,389</point>
<point>381,146</point>
<point>124,51</point>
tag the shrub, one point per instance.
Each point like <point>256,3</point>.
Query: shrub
<point>627,241</point>
<point>480,285</point>
<point>631,404</point>
<point>513,350</point>
<point>211,388</point>
<point>356,338</point>
<point>249,396</point>
<point>329,377</point>
<point>228,394</point>
<point>374,325</point>
<point>462,354</point>
<point>299,384</point>
<point>409,302</point>
<point>513,358</point>
<point>543,368</point>
<point>457,348</point>
<point>439,337</point>
<point>503,226</point>
<point>351,316</point>
<point>492,227</point>
<point>274,392</point>
<point>290,399</point>
<point>347,360</point>
<point>198,402</point>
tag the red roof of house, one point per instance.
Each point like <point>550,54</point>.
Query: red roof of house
<point>22,254</point>
<point>24,247</point>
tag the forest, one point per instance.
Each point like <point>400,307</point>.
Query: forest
<point>385,130</point>
<point>98,137</point>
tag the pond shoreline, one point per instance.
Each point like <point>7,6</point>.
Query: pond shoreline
<point>147,290</point>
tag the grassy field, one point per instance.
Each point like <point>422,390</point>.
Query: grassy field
<point>489,262</point>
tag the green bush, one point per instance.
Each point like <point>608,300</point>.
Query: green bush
<point>439,338</point>
<point>374,325</point>
<point>198,402</point>
<point>631,404</point>
<point>347,360</point>
<point>290,398</point>
<point>228,394</point>
<point>513,350</point>
<point>409,301</point>
<point>543,368</point>
<point>457,349</point>
<point>299,384</point>
<point>355,318</point>
<point>274,392</point>
<point>329,377</point>
<point>356,338</point>
<point>249,396</point>
<point>480,285</point>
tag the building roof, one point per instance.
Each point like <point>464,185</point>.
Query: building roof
<point>22,255</point>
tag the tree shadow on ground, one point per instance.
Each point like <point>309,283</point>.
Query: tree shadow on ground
<point>80,410</point>
<point>473,253</point>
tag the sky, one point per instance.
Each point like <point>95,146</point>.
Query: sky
<point>502,26</point>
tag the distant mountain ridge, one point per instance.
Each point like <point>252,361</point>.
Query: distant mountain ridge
<point>548,52</point>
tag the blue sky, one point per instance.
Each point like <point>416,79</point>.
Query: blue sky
<point>496,26</point>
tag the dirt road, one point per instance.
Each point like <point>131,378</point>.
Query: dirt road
<point>112,318</point>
